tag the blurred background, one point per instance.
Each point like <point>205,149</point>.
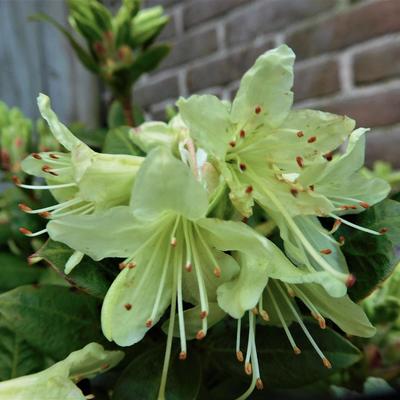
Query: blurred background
<point>348,59</point>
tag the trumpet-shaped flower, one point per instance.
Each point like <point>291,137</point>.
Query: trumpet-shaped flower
<point>269,296</point>
<point>59,381</point>
<point>173,253</point>
<point>281,158</point>
<point>81,180</point>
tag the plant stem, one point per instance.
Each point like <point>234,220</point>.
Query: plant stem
<point>126,102</point>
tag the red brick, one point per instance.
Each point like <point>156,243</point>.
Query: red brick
<point>317,79</point>
<point>269,16</point>
<point>191,46</point>
<point>225,69</point>
<point>380,108</point>
<point>348,27</point>
<point>377,63</point>
<point>196,11</point>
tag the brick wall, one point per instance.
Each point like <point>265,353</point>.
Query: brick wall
<point>348,57</point>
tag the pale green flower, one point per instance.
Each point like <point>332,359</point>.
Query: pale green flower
<point>174,253</point>
<point>282,159</point>
<point>81,180</point>
<point>59,381</point>
<point>270,294</point>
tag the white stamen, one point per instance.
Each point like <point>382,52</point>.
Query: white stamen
<point>46,187</point>
<point>239,354</point>
<point>38,233</point>
<point>360,228</point>
<point>182,333</point>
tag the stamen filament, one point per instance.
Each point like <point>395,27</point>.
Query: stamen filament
<point>46,187</point>
<point>34,234</point>
<point>182,333</point>
<point>239,354</point>
<point>360,228</point>
<point>54,207</point>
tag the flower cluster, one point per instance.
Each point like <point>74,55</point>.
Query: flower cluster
<point>161,214</point>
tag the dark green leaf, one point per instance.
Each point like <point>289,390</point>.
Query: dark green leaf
<point>17,357</point>
<point>82,54</point>
<point>279,366</point>
<point>90,276</point>
<point>141,379</point>
<point>15,271</point>
<point>118,142</point>
<point>116,118</point>
<point>92,137</point>
<point>372,258</point>
<point>149,60</point>
<point>53,319</point>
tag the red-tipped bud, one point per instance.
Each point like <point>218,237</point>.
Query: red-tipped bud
<point>128,306</point>
<point>300,161</point>
<point>311,139</point>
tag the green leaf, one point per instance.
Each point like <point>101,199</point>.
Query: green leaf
<point>118,142</point>
<point>15,271</point>
<point>89,276</point>
<point>279,366</point>
<point>53,319</point>
<point>149,60</point>
<point>372,258</point>
<point>83,56</point>
<point>17,357</point>
<point>141,379</point>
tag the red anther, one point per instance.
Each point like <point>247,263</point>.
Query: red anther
<point>245,220</point>
<point>344,207</point>
<point>259,384</point>
<point>242,166</point>
<point>188,267</point>
<point>254,310</point>
<point>326,363</point>
<point>321,322</point>
<point>311,187</point>
<point>217,272</point>
<point>200,335</point>
<point>328,156</point>
<point>257,110</point>
<point>232,143</point>
<point>336,225</point>
<point>131,265</point>
<point>300,134</point>
<point>342,239</point>
<point>128,306</point>
<point>326,251</point>
<point>242,133</point>
<point>105,366</point>
<point>353,207</point>
<point>54,156</point>
<point>264,315</point>
<point>248,368</point>
<point>23,207</point>
<point>296,350</point>
<point>294,192</point>
<point>312,139</point>
<point>99,48</point>
<point>383,230</point>
<point>47,169</point>
<point>351,280</point>
<point>300,161</point>
<point>173,242</point>
<point>203,314</point>
<point>149,323</point>
<point>16,180</point>
<point>122,265</point>
<point>45,214</point>
<point>182,355</point>
<point>239,356</point>
<point>249,189</point>
<point>25,231</point>
<point>37,156</point>
<point>363,204</point>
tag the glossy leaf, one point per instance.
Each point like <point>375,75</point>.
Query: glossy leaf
<point>53,319</point>
<point>141,379</point>
<point>88,276</point>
